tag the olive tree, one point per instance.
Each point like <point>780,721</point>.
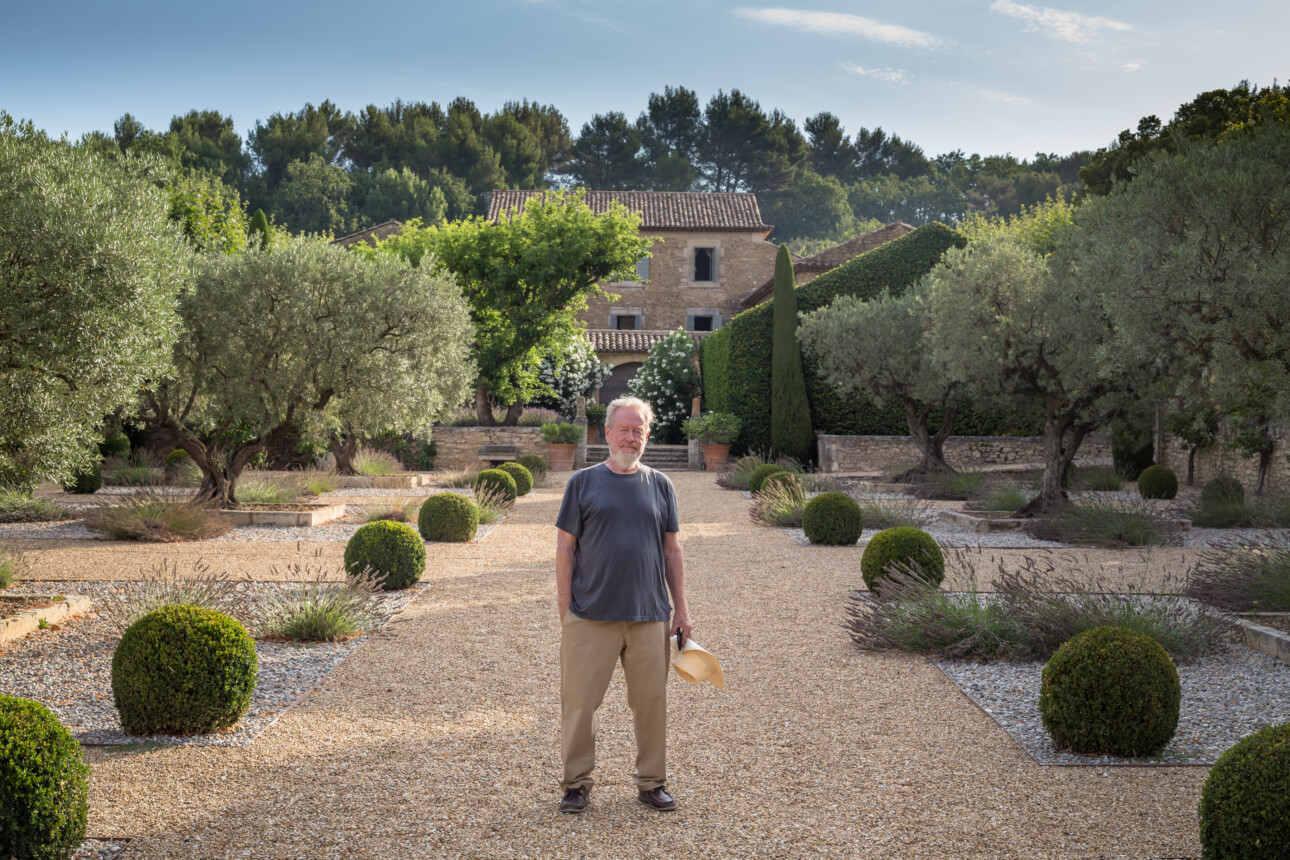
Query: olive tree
<point>307,338</point>
<point>89,270</point>
<point>1009,322</point>
<point>880,349</point>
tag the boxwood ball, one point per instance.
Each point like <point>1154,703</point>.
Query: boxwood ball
<point>393,553</point>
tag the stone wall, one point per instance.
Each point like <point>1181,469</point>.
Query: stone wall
<point>886,454</point>
<point>745,261</point>
<point>458,447</point>
<point>1221,460</point>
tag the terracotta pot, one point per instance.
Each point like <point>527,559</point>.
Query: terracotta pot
<point>560,456</point>
<point>595,434</point>
<point>715,457</point>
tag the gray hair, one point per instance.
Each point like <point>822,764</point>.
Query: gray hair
<point>639,405</point>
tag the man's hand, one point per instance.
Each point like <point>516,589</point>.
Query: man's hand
<point>681,621</point>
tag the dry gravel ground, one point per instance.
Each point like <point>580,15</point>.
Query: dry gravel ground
<point>439,736</point>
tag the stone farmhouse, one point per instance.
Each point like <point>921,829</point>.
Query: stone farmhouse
<point>709,261</point>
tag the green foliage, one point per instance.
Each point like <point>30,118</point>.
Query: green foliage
<point>315,197</point>
<point>1157,482</point>
<point>10,567</point>
<point>448,517</point>
<point>561,433</point>
<point>1098,478</point>
<point>373,463</point>
<point>1109,523</point>
<point>1132,447</point>
<point>1244,803</point>
<point>1222,489</point>
<point>258,232</point>
<point>790,414</point>
<point>91,270</point>
<point>999,496</point>
<point>780,503</point>
<point>570,373</point>
<point>536,466</point>
<point>255,489</point>
<point>18,506</point>
<point>832,519</point>
<point>318,611</point>
<point>736,359</point>
<point>44,784</point>
<point>182,670</point>
<point>177,458</point>
<point>668,381</point>
<point>210,213</point>
<point>785,481</point>
<point>498,480</point>
<point>712,428</point>
<point>391,554</point>
<point>1110,691</point>
<point>596,414</point>
<point>86,481</point>
<point>115,445</point>
<point>759,475</point>
<point>523,477</point>
<point>156,518</point>
<point>901,548</point>
<point>1244,578</point>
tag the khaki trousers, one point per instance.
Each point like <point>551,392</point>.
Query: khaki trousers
<point>589,651</point>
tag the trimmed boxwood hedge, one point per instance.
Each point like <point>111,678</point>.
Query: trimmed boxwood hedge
<point>498,480</point>
<point>736,359</point>
<point>393,552</point>
<point>44,783</point>
<point>89,481</point>
<point>535,464</point>
<point>1245,802</point>
<point>182,670</point>
<point>1157,482</point>
<point>903,545</point>
<point>1110,691</point>
<point>832,519</point>
<point>760,474</point>
<point>448,517</point>
<point>1222,490</point>
<point>523,477</point>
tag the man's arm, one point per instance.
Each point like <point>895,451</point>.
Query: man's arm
<point>565,544</point>
<point>674,570</point>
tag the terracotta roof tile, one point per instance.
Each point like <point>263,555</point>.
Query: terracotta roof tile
<point>610,340</point>
<point>660,210</point>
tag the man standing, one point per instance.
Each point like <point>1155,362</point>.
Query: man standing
<point>617,554</point>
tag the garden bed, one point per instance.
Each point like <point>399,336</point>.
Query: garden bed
<point>22,613</point>
<point>283,515</point>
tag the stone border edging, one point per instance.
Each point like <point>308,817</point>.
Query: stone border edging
<point>28,620</point>
<point>1266,640</point>
<point>315,516</point>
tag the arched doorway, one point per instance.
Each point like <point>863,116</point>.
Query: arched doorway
<point>616,385</point>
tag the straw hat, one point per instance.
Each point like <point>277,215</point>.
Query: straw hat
<point>696,664</point>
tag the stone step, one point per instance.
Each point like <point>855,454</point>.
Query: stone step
<point>669,457</point>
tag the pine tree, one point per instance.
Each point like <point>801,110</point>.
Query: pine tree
<point>259,229</point>
<point>790,414</point>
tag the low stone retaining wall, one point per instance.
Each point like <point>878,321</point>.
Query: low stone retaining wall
<point>892,453</point>
<point>458,447</point>
<point>1222,460</point>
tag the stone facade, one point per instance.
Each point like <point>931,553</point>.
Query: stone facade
<point>671,296</point>
<point>892,453</point>
<point>458,447</point>
<point>1221,460</point>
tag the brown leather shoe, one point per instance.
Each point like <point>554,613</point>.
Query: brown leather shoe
<point>657,798</point>
<point>575,800</point>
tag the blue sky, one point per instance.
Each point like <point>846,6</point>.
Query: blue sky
<point>987,76</point>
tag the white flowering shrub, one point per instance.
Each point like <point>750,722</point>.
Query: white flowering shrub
<point>669,380</point>
<point>571,376</point>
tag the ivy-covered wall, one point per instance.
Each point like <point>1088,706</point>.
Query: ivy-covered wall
<point>736,359</point>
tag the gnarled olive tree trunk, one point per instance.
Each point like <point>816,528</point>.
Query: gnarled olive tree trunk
<point>931,446</point>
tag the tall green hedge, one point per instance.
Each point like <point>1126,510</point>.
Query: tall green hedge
<point>736,359</point>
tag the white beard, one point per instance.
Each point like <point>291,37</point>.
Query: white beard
<point>626,459</point>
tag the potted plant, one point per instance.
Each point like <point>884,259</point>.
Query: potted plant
<point>561,441</point>
<point>596,423</point>
<point>715,431</point>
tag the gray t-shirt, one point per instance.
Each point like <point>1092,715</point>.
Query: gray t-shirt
<point>619,521</point>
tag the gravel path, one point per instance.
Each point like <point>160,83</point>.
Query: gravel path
<point>439,737</point>
<point>1224,698</point>
<point>70,669</point>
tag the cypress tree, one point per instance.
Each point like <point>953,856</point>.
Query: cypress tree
<point>259,228</point>
<point>790,414</point>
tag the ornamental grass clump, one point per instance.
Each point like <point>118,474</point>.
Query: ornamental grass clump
<point>1222,489</point>
<point>1245,801</point>
<point>1033,609</point>
<point>949,486</point>
<point>183,670</point>
<point>1098,479</point>
<point>374,463</point>
<point>492,504</point>
<point>448,517</point>
<point>11,568</point>
<point>1004,495</point>
<point>1157,482</point>
<point>788,481</point>
<point>889,513</point>
<point>523,477</point>
<point>760,474</point>
<point>498,481</point>
<point>317,609</point>
<point>739,473</point>
<point>393,513</point>
<point>266,490</point>
<point>19,507</point>
<point>316,481</point>
<point>901,548</point>
<point>139,469</point>
<point>44,783</point>
<point>1109,523</point>
<point>1110,691</point>
<point>779,503</point>
<point>157,518</point>
<point>163,585</point>
<point>832,519</point>
<point>391,554</point>
<point>1244,577</point>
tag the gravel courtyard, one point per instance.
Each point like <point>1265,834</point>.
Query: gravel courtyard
<point>438,736</point>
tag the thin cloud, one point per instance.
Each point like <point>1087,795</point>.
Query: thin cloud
<point>1132,66</point>
<point>1059,24</point>
<point>1003,98</point>
<point>895,76</point>
<point>838,24</point>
